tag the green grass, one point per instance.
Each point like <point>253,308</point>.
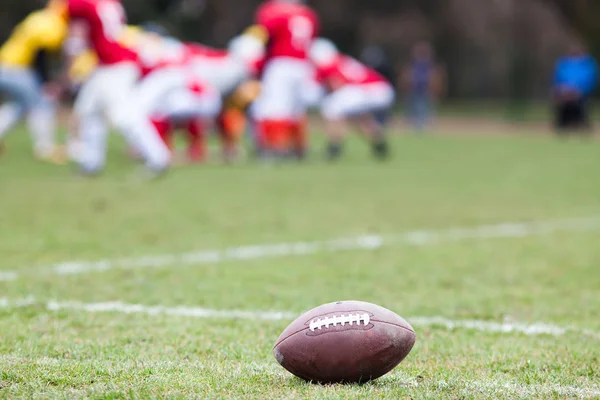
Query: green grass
<point>49,215</point>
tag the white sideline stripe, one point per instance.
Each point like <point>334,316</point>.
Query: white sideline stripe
<point>468,388</point>
<point>533,329</point>
<point>6,276</point>
<point>193,312</point>
<point>496,327</point>
<point>522,390</point>
<point>361,242</point>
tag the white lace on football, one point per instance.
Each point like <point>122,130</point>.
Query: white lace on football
<point>335,320</point>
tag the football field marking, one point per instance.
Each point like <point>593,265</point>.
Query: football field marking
<point>6,276</point>
<point>523,390</point>
<point>118,307</point>
<point>361,242</point>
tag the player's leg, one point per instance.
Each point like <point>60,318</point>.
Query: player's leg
<point>88,140</point>
<point>276,107</point>
<point>196,151</point>
<point>231,125</point>
<point>254,131</point>
<point>10,113</point>
<point>192,105</point>
<point>336,108</point>
<point>87,144</point>
<point>421,110</point>
<point>163,126</point>
<point>93,138</point>
<point>122,104</point>
<point>303,100</point>
<point>41,121</point>
<point>25,87</point>
<point>16,86</point>
<point>379,100</point>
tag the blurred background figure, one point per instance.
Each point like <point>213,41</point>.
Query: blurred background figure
<point>375,57</point>
<point>26,82</point>
<point>575,78</point>
<point>422,82</point>
<point>353,93</point>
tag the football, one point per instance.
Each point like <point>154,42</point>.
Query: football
<point>344,342</point>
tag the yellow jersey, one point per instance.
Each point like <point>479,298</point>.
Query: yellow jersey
<point>41,30</point>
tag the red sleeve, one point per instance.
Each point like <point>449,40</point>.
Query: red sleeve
<point>77,8</point>
<point>321,74</point>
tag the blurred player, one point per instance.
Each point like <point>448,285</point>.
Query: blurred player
<point>25,80</point>
<point>228,72</point>
<point>152,48</point>
<point>354,91</point>
<point>227,69</point>
<point>231,73</point>
<point>280,110</point>
<point>233,121</point>
<point>109,90</point>
<point>423,82</point>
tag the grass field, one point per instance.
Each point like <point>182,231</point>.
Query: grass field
<point>114,288</point>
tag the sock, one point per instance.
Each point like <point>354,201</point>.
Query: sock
<point>163,127</point>
<point>196,145</point>
<point>299,139</point>
<point>334,151</point>
<point>92,136</point>
<point>42,125</point>
<point>278,135</point>
<point>74,149</point>
<point>381,149</point>
<point>10,113</point>
<point>261,133</point>
<point>232,124</point>
<point>143,135</point>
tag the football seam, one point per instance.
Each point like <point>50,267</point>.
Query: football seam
<point>399,326</point>
<point>374,320</point>
<point>289,336</point>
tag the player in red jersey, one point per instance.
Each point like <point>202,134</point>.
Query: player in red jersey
<point>189,90</point>
<point>354,91</point>
<point>173,97</point>
<point>109,91</point>
<point>227,69</point>
<point>280,110</point>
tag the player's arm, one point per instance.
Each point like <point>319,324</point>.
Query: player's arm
<point>49,33</point>
<point>257,32</point>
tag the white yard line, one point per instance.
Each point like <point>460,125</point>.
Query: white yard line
<point>469,388</point>
<point>493,327</point>
<point>531,329</point>
<point>361,242</point>
<point>6,276</point>
<point>522,390</point>
<point>191,312</point>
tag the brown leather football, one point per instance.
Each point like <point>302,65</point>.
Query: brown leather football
<point>347,341</point>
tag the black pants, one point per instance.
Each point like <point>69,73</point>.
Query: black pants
<point>572,114</point>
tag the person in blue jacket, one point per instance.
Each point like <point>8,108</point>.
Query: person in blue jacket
<point>575,79</point>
